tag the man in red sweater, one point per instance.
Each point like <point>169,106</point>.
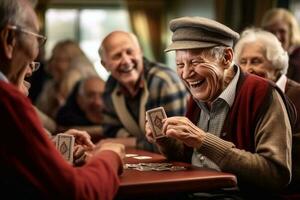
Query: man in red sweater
<point>31,167</point>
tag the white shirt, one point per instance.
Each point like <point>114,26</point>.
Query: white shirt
<point>281,83</point>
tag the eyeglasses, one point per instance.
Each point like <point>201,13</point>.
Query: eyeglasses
<point>41,39</point>
<point>34,66</point>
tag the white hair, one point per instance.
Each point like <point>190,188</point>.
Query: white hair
<point>9,12</point>
<point>272,47</point>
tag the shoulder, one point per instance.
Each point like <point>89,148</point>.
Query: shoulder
<point>110,85</point>
<point>293,85</point>
<point>12,97</point>
<point>292,90</point>
<point>254,85</point>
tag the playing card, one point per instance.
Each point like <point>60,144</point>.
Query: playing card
<point>142,157</point>
<point>65,145</point>
<point>155,117</point>
<point>154,167</point>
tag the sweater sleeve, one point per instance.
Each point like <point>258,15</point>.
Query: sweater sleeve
<point>31,160</point>
<point>272,158</point>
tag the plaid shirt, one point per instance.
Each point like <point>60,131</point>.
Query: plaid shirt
<point>163,88</point>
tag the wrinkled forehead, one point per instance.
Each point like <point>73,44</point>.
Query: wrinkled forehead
<point>120,39</point>
<point>94,83</point>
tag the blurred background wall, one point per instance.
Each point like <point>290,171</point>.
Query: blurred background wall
<point>89,21</point>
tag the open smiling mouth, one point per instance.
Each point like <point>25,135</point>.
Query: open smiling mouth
<point>26,84</point>
<point>127,69</point>
<point>196,84</point>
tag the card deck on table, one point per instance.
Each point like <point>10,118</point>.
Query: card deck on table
<point>65,145</point>
<point>155,117</point>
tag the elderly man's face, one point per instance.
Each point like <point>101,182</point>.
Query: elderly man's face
<point>123,58</point>
<point>202,74</point>
<point>253,60</point>
<point>26,49</point>
<point>90,99</point>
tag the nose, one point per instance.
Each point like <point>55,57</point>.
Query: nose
<point>247,67</point>
<point>186,72</point>
<point>125,59</point>
<point>97,101</point>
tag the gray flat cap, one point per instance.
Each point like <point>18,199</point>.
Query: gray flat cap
<point>199,32</point>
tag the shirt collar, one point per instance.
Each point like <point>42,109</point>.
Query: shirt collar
<point>228,94</point>
<point>140,85</point>
<point>3,77</point>
<point>281,82</point>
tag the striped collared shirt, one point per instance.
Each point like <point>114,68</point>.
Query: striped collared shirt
<point>212,120</point>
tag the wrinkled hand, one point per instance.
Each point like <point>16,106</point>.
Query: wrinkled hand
<point>79,154</point>
<point>81,138</point>
<point>181,128</point>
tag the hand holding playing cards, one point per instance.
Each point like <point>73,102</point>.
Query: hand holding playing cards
<point>73,145</point>
<point>184,130</point>
<point>81,138</point>
<point>154,124</point>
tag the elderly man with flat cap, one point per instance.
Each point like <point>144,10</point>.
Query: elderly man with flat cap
<point>235,122</point>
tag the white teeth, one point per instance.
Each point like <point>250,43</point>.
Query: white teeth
<point>26,84</point>
<point>196,83</point>
<point>127,68</point>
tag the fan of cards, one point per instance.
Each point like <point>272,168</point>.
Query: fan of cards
<point>154,167</point>
<point>155,117</point>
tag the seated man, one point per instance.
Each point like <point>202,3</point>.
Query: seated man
<point>236,122</point>
<point>84,107</point>
<point>31,167</point>
<point>135,86</point>
<point>260,52</point>
<point>83,143</point>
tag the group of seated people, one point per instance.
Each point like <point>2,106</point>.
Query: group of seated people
<point>219,115</point>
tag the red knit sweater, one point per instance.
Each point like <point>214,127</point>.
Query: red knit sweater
<point>31,167</point>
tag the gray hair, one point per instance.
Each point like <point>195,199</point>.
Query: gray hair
<point>82,83</point>
<point>273,49</point>
<point>216,52</point>
<point>11,12</point>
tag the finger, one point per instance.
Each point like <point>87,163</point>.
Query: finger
<point>78,151</point>
<point>149,135</point>
<point>83,138</point>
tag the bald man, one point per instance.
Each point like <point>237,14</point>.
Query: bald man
<point>135,86</point>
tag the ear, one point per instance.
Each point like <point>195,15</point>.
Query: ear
<point>8,39</point>
<point>228,56</point>
<point>104,65</point>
